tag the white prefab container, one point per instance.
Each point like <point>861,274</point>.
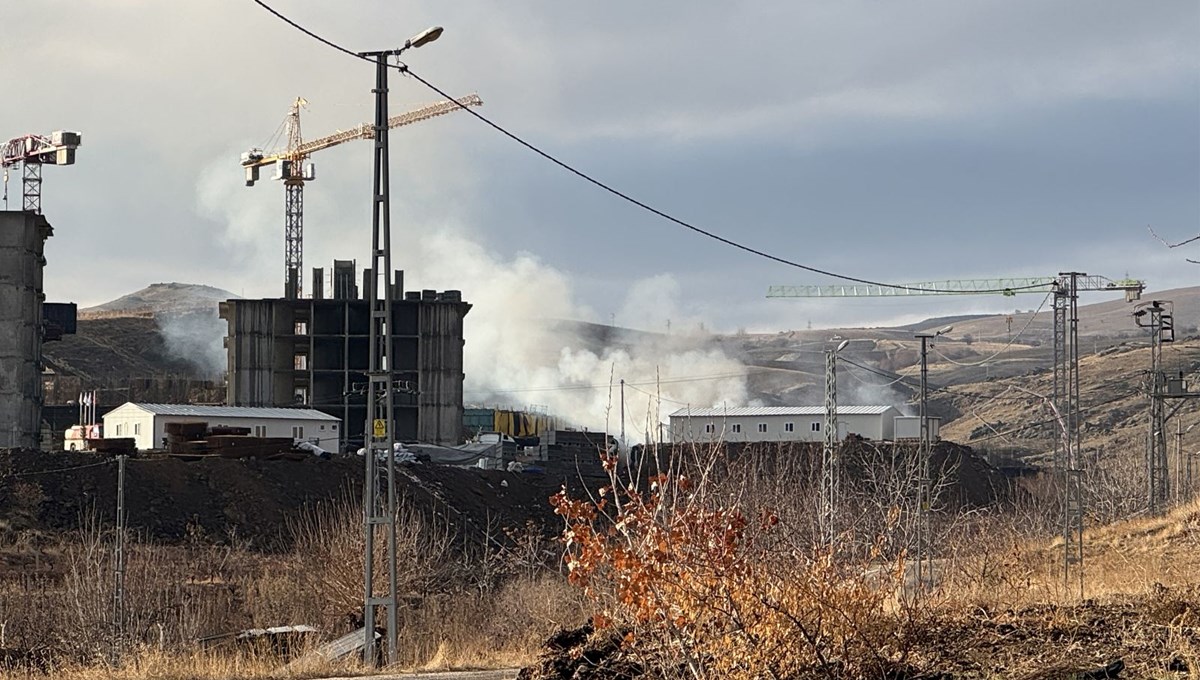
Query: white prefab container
<point>147,423</point>
<point>909,427</point>
<point>779,423</point>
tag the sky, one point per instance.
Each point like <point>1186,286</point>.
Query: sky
<point>898,142</point>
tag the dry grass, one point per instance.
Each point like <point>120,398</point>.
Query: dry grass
<point>718,576</point>
<point>466,601</point>
<point>193,665</point>
<point>1002,565</point>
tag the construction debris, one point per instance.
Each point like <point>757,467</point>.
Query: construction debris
<point>280,640</point>
<point>188,440</point>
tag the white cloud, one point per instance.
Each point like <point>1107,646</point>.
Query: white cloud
<point>166,94</point>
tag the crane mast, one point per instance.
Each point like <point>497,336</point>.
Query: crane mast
<point>294,170</point>
<point>32,152</point>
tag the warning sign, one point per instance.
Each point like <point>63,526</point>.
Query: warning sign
<point>380,427</point>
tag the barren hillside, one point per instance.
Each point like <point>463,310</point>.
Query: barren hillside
<point>162,298</point>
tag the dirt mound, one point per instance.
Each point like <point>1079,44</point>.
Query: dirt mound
<point>965,478</point>
<point>215,499</point>
<point>1126,637</point>
<point>583,654</point>
<point>1148,636</point>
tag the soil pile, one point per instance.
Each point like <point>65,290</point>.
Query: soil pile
<point>585,654</point>
<point>1150,636</point>
<point>216,499</point>
<point>965,478</point>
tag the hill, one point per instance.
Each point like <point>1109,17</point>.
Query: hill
<point>165,329</point>
<point>161,298</point>
<point>1110,318</point>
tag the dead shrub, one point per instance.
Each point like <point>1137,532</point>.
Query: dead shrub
<point>707,580</point>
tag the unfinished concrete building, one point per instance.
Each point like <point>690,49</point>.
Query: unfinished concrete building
<point>314,352</point>
<point>22,240</point>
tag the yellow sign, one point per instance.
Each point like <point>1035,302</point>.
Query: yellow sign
<point>380,427</point>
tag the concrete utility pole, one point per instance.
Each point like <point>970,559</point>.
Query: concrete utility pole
<point>118,608</point>
<point>924,558</point>
<point>380,432</point>
<point>1186,464</point>
<point>830,460</point>
<point>1179,460</point>
<point>622,414</point>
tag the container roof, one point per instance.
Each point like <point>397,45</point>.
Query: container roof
<point>190,410</point>
<point>741,411</point>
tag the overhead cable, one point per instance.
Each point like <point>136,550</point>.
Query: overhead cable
<point>54,470</point>
<point>1003,349</point>
<point>602,386</point>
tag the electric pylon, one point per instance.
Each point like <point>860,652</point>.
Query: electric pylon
<point>1158,317</point>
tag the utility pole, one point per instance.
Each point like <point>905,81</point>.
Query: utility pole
<point>1158,317</point>
<point>622,413</point>
<point>118,609</point>
<point>830,463</point>
<point>925,482</point>
<point>1179,461</point>
<point>1186,465</point>
<point>1067,459</point>
<point>379,430</point>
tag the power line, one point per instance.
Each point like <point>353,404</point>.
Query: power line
<point>1003,349</point>
<point>66,469</point>
<point>852,374</point>
<point>603,386</point>
<point>1048,421</point>
<point>403,68</point>
<point>657,396</point>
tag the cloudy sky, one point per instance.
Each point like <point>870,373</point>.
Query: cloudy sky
<point>900,141</point>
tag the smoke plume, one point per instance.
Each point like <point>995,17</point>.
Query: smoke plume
<point>521,349</point>
<point>195,337</point>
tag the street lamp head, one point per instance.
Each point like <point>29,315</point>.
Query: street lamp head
<point>424,37</point>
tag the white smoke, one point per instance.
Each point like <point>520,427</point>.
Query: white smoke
<point>516,355</point>
<point>197,338</point>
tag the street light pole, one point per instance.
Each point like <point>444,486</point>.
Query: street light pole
<point>379,430</point>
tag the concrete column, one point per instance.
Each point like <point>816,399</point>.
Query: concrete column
<point>22,239</point>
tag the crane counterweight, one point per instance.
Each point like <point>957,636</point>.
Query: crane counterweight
<point>32,152</point>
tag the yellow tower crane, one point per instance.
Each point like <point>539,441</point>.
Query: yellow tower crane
<point>292,168</point>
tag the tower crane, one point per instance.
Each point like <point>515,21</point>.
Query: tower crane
<point>293,168</point>
<point>1065,288</point>
<point>32,152</point>
<point>1001,286</point>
